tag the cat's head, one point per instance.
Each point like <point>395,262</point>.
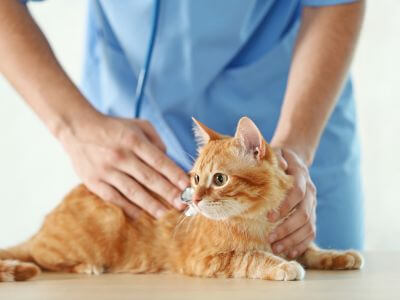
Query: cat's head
<point>236,176</point>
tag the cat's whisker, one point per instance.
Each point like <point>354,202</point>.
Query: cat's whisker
<point>189,224</point>
<point>182,219</point>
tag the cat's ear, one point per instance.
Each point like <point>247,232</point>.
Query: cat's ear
<point>203,134</point>
<point>251,139</point>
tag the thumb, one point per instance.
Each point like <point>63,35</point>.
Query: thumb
<point>281,160</point>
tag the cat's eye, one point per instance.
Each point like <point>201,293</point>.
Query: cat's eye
<point>196,179</point>
<point>220,179</point>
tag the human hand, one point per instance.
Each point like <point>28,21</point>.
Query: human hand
<point>293,236</point>
<point>121,160</point>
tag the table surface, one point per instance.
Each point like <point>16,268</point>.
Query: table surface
<point>379,279</point>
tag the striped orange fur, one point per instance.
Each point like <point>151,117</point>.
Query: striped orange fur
<point>237,181</point>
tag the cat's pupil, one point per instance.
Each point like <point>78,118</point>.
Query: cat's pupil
<point>196,179</point>
<point>220,179</point>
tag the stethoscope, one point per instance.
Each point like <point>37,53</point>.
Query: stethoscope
<point>187,194</point>
<point>144,71</point>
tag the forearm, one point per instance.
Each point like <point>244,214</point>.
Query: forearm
<point>321,59</point>
<point>28,63</point>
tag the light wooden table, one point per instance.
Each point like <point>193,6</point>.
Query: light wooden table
<point>380,279</point>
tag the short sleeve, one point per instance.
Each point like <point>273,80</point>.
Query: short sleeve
<point>26,1</point>
<point>325,2</point>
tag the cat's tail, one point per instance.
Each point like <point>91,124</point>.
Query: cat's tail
<point>16,264</point>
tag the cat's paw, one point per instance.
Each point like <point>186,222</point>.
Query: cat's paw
<point>358,260</point>
<point>88,269</point>
<point>290,270</point>
<point>346,260</point>
<point>14,270</point>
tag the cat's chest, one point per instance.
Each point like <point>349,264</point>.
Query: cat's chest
<point>242,238</point>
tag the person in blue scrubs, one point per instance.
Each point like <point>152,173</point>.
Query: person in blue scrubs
<point>282,63</point>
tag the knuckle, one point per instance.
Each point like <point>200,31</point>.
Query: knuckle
<point>131,192</point>
<point>313,188</point>
<point>298,191</point>
<point>149,177</point>
<point>313,232</point>
<point>304,169</point>
<point>309,228</point>
<point>115,155</point>
<point>103,168</point>
<point>300,249</point>
<point>147,124</point>
<point>282,232</point>
<point>304,216</point>
<point>133,138</point>
<point>159,161</point>
<point>288,242</point>
<point>107,195</point>
<point>285,208</point>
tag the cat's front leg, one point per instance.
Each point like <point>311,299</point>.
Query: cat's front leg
<point>320,259</point>
<point>252,264</point>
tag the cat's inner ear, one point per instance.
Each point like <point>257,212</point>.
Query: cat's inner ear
<point>203,134</point>
<point>251,138</point>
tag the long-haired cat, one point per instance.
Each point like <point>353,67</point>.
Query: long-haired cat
<point>236,181</point>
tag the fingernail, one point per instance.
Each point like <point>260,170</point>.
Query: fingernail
<point>160,213</point>
<point>293,253</point>
<point>272,237</point>
<point>279,248</point>
<point>183,184</point>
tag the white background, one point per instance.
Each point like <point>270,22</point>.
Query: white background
<point>35,172</point>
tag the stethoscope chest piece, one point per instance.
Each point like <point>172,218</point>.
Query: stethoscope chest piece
<point>186,197</point>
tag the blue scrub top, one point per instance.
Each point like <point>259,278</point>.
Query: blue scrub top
<point>219,60</point>
<point>213,61</point>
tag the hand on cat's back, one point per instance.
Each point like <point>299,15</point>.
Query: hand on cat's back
<point>296,232</point>
<point>124,162</point>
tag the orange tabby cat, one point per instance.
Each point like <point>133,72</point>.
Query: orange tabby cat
<point>236,180</point>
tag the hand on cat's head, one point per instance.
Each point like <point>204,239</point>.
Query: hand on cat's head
<point>236,176</point>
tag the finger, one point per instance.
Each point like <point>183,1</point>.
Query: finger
<point>281,161</point>
<point>110,194</point>
<point>300,216</point>
<point>302,246</point>
<point>296,193</point>
<point>135,193</point>
<point>152,134</point>
<point>155,158</point>
<point>151,179</point>
<point>290,241</point>
<point>292,160</point>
